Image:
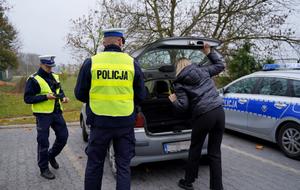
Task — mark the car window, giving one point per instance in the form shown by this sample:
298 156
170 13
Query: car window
296 88
273 86
244 86
162 57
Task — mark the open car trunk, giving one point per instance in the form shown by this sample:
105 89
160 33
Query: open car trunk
161 117
157 61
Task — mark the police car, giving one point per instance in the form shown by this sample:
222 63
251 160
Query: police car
266 105
161 133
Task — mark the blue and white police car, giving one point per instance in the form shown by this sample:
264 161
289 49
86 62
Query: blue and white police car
266 105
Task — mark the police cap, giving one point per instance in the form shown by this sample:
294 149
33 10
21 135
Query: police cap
47 60
114 32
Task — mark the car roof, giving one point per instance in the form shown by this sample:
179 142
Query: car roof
182 42
279 73
289 74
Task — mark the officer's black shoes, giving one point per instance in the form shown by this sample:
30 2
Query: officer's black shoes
53 163
47 174
185 185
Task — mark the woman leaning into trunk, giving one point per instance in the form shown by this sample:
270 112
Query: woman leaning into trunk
196 93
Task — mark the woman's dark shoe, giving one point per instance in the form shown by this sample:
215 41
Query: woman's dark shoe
185 185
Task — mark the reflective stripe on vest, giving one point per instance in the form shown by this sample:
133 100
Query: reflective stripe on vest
48 105
111 92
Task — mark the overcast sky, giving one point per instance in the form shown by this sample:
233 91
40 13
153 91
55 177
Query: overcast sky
42 24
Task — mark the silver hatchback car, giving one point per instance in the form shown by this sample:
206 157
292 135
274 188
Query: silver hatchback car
161 133
266 105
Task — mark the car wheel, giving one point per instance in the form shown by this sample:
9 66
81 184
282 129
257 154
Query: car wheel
289 140
111 159
85 136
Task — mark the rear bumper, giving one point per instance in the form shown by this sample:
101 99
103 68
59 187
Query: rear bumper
151 148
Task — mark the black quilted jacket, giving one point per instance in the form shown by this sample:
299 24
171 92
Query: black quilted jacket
195 90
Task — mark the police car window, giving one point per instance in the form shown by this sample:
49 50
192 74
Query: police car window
162 57
273 86
243 86
296 88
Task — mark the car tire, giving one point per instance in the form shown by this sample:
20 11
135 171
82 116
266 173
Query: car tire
111 159
85 136
289 140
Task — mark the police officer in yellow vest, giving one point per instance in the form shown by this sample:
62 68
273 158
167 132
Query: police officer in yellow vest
111 84
43 91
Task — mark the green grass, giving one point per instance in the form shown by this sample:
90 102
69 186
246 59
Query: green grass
6 88
12 105
68 116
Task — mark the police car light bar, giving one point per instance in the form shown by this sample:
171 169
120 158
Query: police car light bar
285 66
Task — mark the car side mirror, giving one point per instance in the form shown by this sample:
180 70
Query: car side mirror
221 91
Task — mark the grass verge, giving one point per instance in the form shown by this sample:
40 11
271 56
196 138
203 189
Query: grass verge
71 116
12 105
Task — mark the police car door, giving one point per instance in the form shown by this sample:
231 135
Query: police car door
268 105
236 97
294 108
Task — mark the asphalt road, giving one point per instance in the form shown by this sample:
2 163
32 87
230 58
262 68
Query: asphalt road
244 166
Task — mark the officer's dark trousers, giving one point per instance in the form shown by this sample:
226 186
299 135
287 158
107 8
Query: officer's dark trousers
124 146
58 124
212 123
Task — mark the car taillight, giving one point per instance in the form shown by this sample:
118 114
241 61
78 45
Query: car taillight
139 122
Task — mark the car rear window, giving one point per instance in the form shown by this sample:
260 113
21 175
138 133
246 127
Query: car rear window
162 57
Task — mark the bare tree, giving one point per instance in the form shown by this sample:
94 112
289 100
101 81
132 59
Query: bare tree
231 21
85 37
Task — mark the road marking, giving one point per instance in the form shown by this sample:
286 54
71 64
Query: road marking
74 160
262 159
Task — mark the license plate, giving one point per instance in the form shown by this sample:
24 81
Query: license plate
177 146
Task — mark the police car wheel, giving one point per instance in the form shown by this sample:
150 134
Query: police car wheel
289 140
85 136
111 159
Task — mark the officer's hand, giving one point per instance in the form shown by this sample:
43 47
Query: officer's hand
51 97
65 100
172 97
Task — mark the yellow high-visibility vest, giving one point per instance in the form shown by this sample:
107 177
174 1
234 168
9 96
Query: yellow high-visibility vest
111 92
45 106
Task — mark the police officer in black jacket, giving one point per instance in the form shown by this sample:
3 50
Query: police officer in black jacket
111 84
43 91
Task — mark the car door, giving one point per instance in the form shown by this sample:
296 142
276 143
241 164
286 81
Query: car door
236 97
294 108
267 106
